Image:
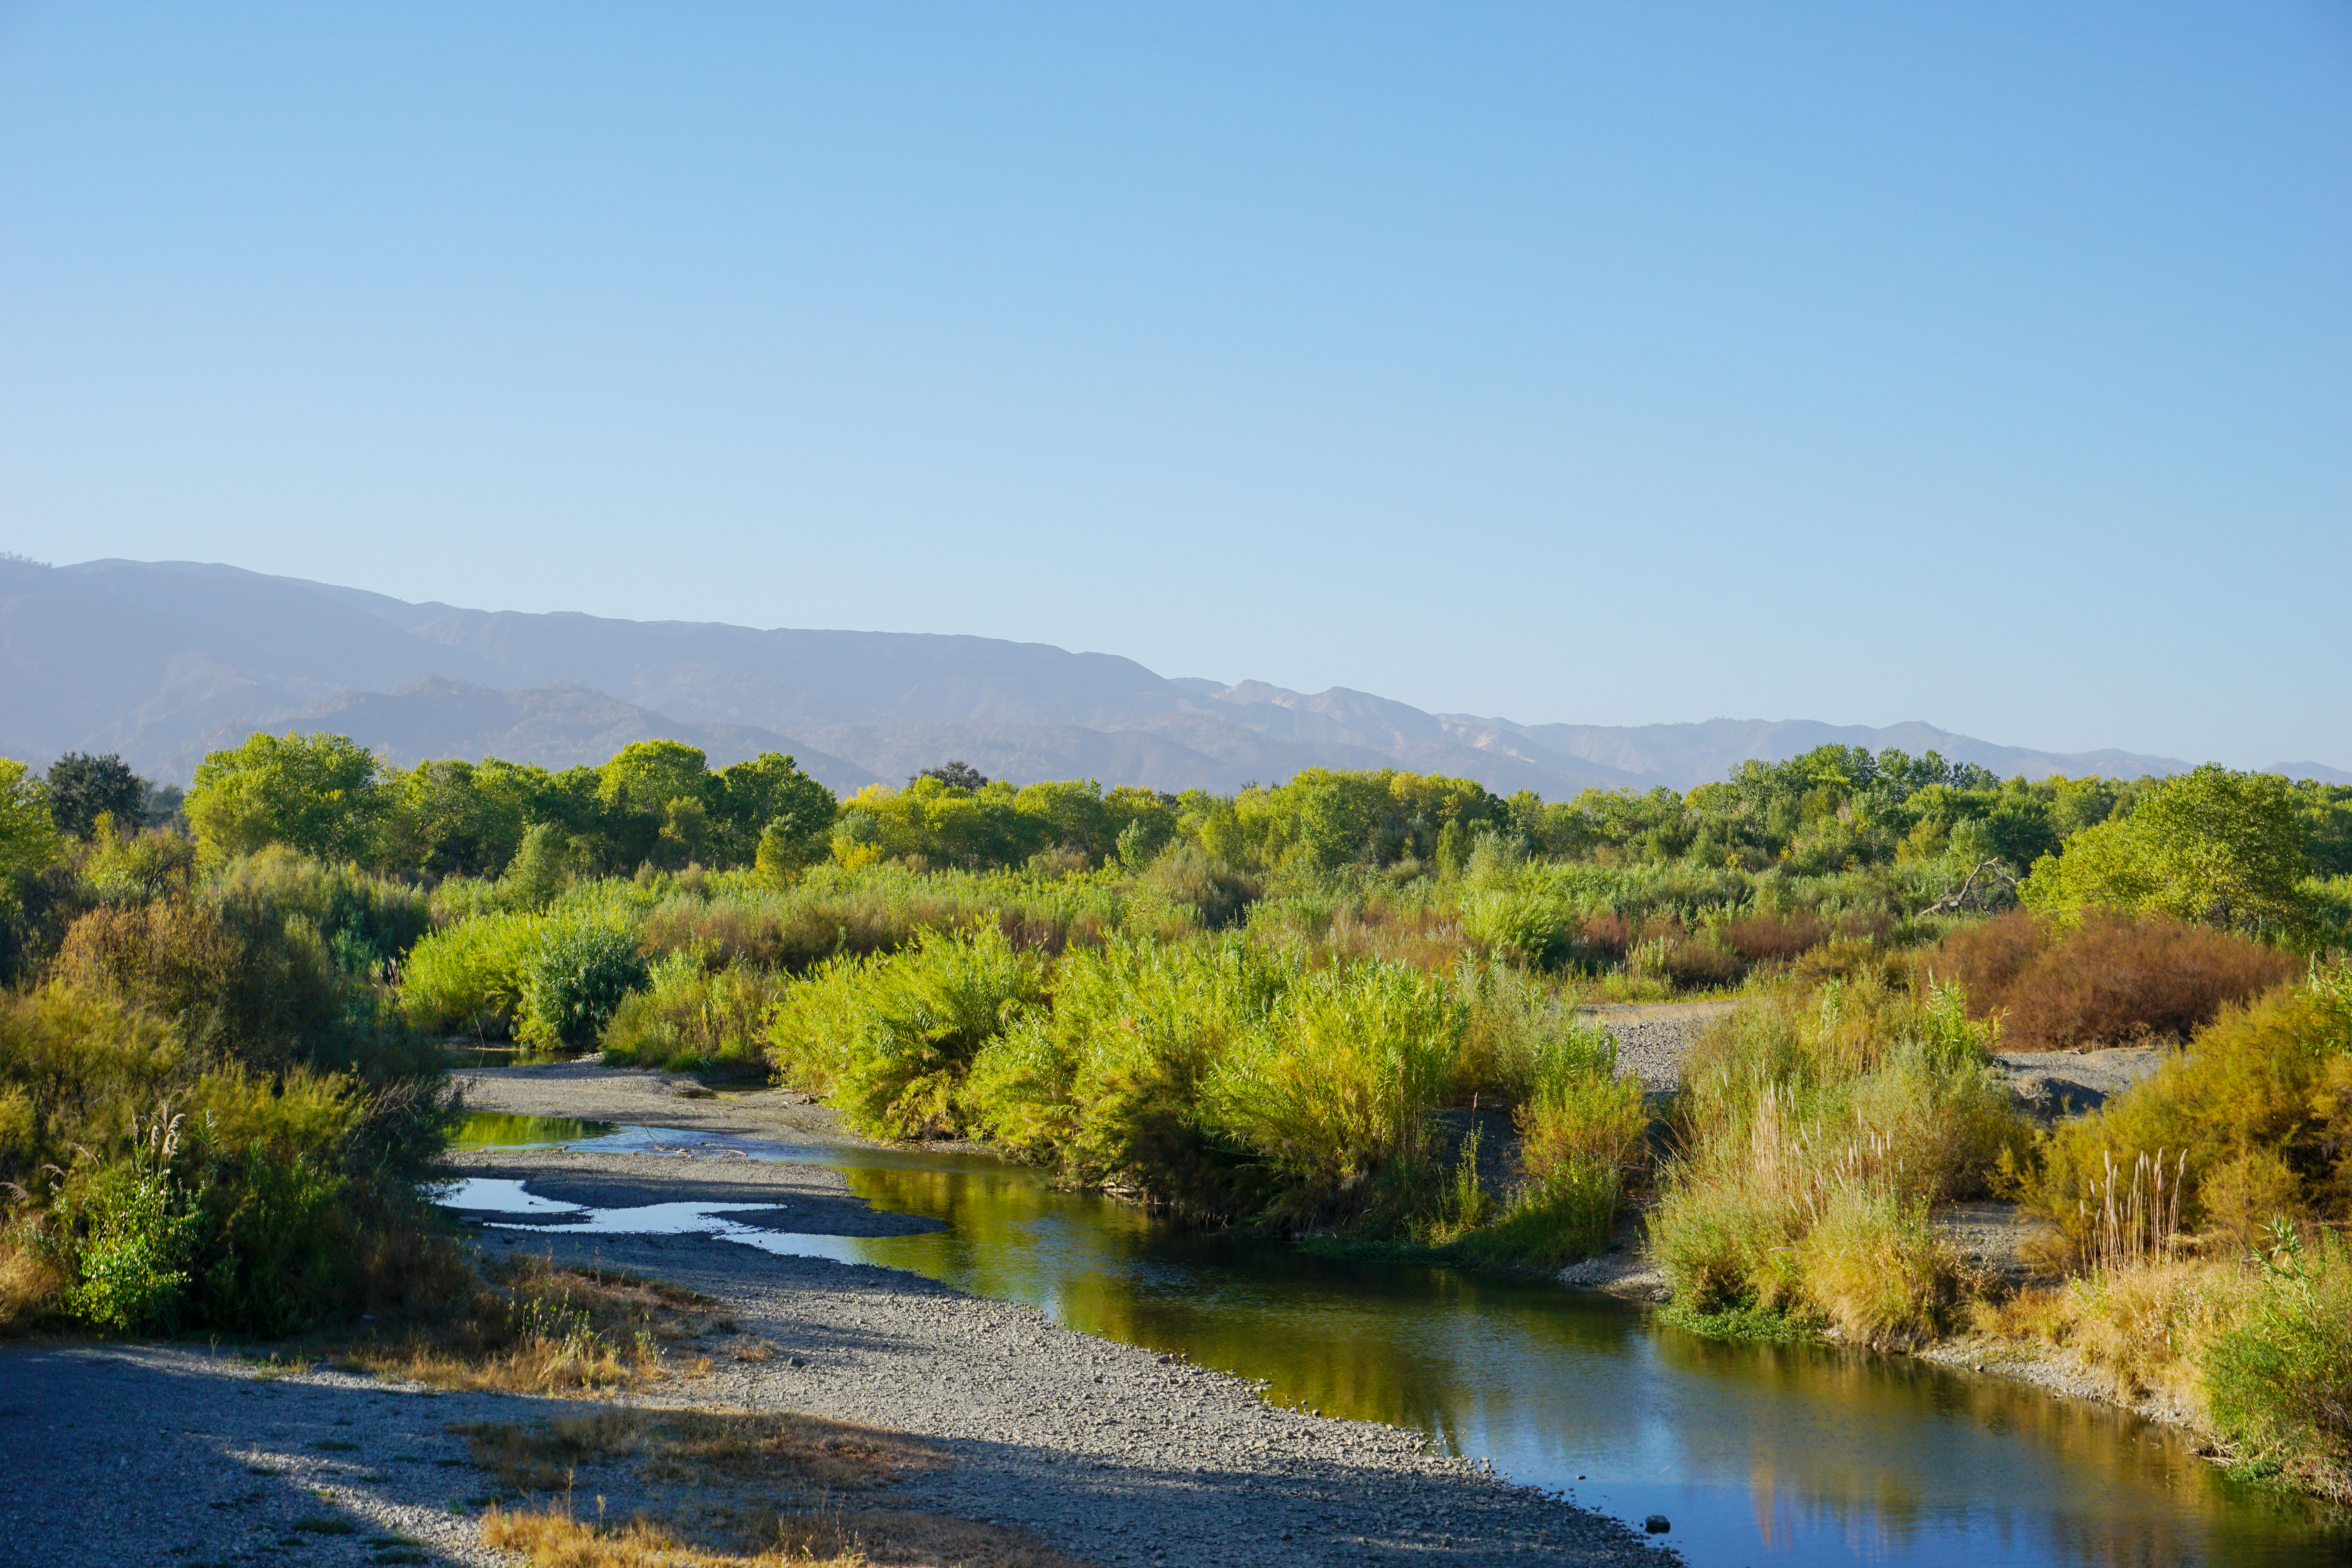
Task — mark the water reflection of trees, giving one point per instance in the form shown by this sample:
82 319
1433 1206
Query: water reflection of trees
1888 1459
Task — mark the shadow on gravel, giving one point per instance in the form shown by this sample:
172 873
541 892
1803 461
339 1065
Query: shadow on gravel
170 1456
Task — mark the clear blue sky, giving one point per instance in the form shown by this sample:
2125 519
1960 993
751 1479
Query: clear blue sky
1985 364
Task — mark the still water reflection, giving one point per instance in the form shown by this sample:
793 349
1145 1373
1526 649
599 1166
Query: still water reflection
1758 1454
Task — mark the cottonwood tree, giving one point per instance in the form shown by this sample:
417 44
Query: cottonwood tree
2222 847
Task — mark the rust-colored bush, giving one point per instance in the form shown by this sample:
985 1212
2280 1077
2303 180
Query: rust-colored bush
2108 980
1603 939
175 956
1696 963
1773 939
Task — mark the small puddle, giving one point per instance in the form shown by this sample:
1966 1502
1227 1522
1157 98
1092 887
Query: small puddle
1790 1454
493 1194
487 1130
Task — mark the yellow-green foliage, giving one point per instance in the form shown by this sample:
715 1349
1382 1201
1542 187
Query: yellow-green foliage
28 838
470 975
888 1038
693 1017
1817 1128
1107 1086
2260 1101
1342 1085
2278 1373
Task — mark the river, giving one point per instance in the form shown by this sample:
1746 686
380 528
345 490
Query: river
1758 1454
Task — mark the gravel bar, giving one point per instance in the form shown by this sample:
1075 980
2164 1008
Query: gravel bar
1111 1453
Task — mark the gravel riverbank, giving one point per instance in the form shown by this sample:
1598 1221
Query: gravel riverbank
1108 1453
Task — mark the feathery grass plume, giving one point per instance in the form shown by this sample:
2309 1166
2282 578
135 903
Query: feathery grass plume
1816 1132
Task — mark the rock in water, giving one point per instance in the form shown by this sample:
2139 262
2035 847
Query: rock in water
1657 1524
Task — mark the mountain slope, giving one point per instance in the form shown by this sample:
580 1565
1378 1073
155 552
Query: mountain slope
556 727
1682 756
163 661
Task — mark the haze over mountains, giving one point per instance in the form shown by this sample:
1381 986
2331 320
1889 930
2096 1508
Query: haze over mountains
164 661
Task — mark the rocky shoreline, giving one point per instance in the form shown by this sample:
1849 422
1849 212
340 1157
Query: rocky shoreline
1095 1451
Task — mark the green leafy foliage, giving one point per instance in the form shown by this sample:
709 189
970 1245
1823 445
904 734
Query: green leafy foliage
573 977
83 788
2279 1378
889 1039
2212 844
319 795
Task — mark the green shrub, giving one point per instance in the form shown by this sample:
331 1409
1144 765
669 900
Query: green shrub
131 1261
164 1186
1106 1087
1580 1133
888 1039
692 1019
470 975
1337 1092
2260 1102
573 977
2278 1379
263 980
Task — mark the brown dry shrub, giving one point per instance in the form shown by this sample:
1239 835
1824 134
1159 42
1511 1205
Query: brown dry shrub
1773 939
2108 980
30 1287
1700 963
1601 939
1427 938
176 956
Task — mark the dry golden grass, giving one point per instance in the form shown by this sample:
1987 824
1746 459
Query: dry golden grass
700 1448
552 1538
29 1287
534 1327
722 1456
2142 1324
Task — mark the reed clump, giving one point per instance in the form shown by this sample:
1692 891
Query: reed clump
1815 1133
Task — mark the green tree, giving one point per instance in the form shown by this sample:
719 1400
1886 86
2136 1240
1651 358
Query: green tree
84 788
29 837
319 794
2212 844
655 801
771 812
443 821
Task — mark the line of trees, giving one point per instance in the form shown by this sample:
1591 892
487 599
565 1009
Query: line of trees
2245 850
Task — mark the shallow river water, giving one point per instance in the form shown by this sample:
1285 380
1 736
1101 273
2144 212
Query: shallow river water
1758 1454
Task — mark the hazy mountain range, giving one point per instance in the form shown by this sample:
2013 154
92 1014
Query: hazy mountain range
163 661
